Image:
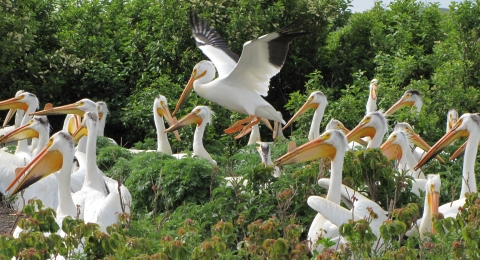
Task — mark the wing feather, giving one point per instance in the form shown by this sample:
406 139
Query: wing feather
213 45
263 58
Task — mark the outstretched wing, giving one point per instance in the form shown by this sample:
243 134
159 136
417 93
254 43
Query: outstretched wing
263 58
212 45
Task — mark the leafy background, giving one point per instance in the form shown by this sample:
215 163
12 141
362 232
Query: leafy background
127 52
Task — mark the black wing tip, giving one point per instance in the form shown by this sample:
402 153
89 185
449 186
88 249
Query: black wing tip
296 28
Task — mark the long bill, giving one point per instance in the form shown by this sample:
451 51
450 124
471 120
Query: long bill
189 119
418 141
360 131
312 150
188 89
164 112
459 152
9 116
308 105
447 139
13 103
21 133
358 140
433 202
401 103
74 123
44 164
62 110
81 132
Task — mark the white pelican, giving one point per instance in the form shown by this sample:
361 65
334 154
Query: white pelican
452 118
421 146
430 206
44 189
266 156
467 125
397 147
410 98
373 125
160 110
56 155
200 115
372 96
98 207
102 117
332 144
318 101
27 102
242 88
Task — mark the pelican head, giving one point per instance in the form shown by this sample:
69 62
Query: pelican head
200 115
335 124
410 98
372 124
393 147
90 120
32 129
466 124
315 100
328 144
59 150
204 72
413 137
12 111
23 100
373 89
160 109
452 118
77 108
102 110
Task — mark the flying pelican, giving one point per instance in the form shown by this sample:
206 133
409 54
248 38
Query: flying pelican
373 125
421 146
27 102
410 98
200 115
242 88
318 101
332 144
372 96
467 125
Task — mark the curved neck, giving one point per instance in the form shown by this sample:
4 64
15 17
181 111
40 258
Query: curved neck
66 206
42 140
468 181
411 162
101 125
371 104
19 117
254 135
162 140
82 145
316 121
426 223
92 179
376 140
334 189
22 144
198 148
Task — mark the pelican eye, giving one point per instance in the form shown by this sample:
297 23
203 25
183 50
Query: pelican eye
459 122
31 121
407 96
98 108
79 104
50 142
198 111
